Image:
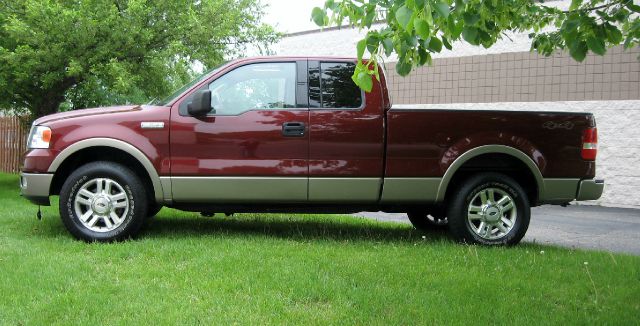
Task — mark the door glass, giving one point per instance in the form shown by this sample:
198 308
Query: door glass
338 89
260 86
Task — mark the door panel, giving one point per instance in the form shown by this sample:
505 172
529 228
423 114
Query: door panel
344 142
251 144
240 153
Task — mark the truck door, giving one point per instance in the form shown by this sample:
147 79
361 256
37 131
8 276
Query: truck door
346 145
253 146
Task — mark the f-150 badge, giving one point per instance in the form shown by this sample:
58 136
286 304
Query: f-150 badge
557 125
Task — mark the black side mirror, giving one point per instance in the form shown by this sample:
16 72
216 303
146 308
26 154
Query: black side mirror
200 104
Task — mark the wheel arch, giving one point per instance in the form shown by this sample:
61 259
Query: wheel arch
476 152
125 153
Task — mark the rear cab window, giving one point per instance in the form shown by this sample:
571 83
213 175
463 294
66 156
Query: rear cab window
331 86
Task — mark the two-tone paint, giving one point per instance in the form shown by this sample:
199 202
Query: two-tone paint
375 155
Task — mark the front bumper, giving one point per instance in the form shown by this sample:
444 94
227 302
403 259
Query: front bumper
35 187
590 189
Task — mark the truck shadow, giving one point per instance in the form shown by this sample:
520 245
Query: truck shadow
295 229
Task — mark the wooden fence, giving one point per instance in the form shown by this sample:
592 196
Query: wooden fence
13 139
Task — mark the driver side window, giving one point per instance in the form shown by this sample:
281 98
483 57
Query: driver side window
259 86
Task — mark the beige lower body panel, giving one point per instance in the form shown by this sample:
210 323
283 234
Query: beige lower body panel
410 190
344 190
239 189
590 189
167 197
329 190
559 190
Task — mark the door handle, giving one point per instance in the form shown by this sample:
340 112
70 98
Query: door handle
293 129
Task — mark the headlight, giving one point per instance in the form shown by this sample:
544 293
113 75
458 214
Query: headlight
39 137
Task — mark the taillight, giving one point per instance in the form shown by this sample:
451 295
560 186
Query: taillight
589 144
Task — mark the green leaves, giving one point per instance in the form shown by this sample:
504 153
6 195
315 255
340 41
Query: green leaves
364 80
613 34
442 9
575 4
361 46
470 34
446 43
422 28
633 7
363 76
403 67
319 16
470 18
387 43
596 45
434 45
403 15
423 57
578 50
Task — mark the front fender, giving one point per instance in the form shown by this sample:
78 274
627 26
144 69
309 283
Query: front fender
158 190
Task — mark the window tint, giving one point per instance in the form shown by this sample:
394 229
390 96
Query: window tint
314 86
338 90
261 86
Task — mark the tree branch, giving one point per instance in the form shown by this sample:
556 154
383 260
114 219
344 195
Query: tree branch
597 7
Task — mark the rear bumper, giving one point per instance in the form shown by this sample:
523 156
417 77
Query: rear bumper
590 189
35 187
561 191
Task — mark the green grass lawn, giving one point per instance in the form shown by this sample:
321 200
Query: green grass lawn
296 269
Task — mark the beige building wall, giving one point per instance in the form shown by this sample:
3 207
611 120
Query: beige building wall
520 77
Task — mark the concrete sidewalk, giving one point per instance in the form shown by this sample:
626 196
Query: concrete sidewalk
587 227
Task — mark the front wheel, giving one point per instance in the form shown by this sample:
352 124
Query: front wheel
489 209
103 201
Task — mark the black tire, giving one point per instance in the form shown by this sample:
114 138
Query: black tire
153 210
135 196
464 222
428 220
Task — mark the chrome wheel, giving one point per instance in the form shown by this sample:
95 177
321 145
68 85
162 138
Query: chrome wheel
101 205
492 213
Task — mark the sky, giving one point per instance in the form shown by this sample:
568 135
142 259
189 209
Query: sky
290 16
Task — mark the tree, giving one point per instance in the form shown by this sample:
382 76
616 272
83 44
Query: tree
415 29
67 54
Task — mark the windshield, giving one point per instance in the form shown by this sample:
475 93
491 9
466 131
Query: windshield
190 84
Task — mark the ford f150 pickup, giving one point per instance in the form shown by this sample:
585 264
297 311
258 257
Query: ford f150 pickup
290 134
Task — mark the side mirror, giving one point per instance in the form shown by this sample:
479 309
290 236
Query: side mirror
200 104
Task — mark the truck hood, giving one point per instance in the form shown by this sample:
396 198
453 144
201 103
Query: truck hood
88 112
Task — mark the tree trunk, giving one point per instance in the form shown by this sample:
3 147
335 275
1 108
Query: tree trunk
48 102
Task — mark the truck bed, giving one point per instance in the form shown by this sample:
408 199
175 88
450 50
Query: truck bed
425 142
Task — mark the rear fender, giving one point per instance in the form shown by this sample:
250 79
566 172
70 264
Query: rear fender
461 152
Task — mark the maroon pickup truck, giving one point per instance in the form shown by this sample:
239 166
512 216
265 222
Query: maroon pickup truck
284 134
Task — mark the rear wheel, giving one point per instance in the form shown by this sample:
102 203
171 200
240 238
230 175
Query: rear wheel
490 209
103 201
